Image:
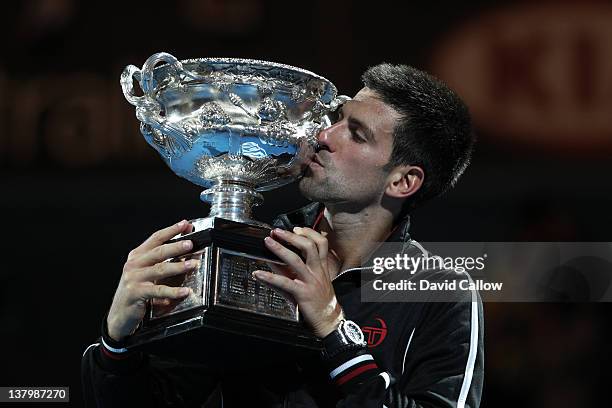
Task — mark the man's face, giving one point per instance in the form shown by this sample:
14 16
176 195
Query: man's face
349 167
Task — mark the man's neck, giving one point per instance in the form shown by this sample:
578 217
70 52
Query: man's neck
353 237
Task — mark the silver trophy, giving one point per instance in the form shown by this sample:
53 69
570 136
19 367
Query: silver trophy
235 127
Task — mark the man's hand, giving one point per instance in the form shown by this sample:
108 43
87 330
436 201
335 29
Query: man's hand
308 282
146 265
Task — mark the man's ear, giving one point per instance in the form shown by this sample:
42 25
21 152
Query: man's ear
404 181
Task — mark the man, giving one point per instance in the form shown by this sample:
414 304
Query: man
403 139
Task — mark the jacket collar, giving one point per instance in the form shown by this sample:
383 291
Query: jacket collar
310 214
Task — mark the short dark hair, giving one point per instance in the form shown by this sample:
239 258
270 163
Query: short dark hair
434 131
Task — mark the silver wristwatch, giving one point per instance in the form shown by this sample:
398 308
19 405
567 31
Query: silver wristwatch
347 336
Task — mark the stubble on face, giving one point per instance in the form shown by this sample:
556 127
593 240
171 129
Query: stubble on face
320 184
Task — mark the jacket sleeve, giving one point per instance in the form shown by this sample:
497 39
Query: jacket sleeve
443 366
140 379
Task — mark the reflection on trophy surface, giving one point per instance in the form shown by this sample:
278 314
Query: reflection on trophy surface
235 127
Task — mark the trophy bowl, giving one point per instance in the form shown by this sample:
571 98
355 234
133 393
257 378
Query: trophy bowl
235 127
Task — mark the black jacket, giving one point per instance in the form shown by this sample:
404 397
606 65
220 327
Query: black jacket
419 354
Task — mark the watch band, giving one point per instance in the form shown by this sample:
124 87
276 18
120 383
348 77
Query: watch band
347 336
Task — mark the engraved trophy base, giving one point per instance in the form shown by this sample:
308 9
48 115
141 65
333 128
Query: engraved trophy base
225 297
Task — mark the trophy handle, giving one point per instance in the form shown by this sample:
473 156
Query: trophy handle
147 83
127 84
337 102
148 109
332 107
145 78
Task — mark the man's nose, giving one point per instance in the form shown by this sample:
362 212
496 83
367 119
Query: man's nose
325 138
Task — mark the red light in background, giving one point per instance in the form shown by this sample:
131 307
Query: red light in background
535 75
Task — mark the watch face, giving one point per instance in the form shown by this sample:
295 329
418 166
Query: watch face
353 332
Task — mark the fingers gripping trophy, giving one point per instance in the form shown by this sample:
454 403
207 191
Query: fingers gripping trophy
235 127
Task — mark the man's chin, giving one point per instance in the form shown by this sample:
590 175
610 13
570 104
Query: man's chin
308 187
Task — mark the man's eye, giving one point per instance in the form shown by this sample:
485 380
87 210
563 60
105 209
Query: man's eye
356 137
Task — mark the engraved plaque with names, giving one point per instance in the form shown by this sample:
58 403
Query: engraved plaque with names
237 289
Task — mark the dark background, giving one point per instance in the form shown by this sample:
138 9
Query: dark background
80 187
